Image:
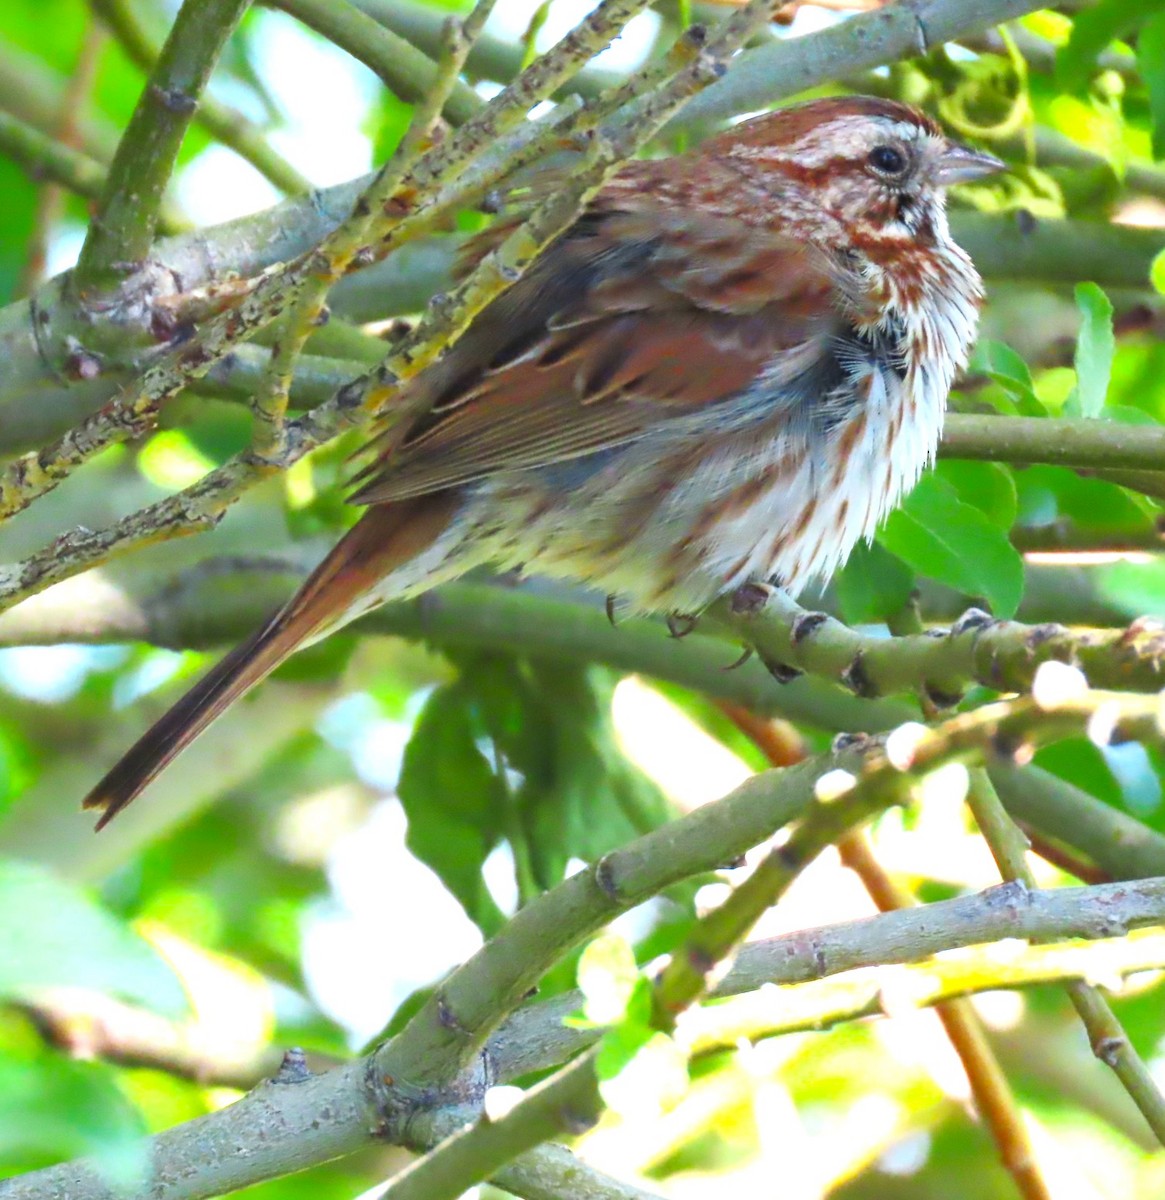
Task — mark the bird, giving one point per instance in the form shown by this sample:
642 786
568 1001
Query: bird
725 372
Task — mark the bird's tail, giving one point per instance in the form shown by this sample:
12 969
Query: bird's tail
382 540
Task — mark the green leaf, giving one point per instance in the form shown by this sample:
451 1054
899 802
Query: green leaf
1049 494
565 792
1000 363
987 486
616 997
607 977
1157 272
53 935
1093 28
1151 61
1095 347
945 539
621 1043
453 802
53 1109
1135 588
873 585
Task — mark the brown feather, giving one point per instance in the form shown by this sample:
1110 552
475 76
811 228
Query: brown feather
382 539
655 326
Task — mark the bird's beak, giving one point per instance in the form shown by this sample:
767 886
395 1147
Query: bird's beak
961 164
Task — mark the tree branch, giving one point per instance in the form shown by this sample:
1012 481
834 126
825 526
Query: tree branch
123 228
1059 441
1110 1043
402 68
228 126
786 67
939 664
490 57
43 157
1123 847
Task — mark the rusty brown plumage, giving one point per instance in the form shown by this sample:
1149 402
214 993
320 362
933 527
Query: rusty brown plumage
725 371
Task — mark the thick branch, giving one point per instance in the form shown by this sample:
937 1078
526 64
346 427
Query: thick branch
1003 655
786 67
1059 441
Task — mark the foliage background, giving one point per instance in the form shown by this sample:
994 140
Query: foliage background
352 832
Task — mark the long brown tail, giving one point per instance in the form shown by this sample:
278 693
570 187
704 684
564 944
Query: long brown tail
384 538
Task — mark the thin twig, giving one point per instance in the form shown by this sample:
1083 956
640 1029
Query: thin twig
50 200
42 157
404 69
993 1096
338 251
1110 1043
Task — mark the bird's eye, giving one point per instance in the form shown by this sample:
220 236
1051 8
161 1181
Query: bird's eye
887 160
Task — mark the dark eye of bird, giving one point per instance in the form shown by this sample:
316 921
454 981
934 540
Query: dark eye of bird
887 160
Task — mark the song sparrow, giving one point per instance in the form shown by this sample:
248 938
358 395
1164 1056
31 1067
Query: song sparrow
727 370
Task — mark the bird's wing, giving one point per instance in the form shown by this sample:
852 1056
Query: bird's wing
633 317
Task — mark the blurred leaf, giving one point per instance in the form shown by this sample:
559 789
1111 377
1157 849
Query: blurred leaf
1004 366
453 801
987 486
1151 61
19 206
607 977
1137 589
1047 494
945 539
565 792
53 935
171 461
52 1109
580 795
1092 30
873 585
387 123
1078 761
1157 272
1095 346
616 997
